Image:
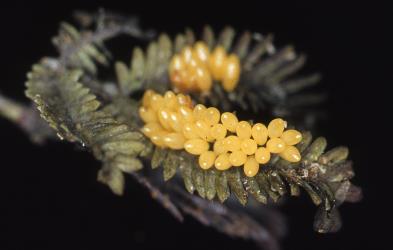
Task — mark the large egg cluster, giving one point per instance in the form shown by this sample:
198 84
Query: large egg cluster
195 68
220 140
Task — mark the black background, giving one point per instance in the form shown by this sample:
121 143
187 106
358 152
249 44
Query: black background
57 204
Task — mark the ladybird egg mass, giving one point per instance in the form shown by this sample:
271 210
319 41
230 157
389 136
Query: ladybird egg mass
195 68
220 140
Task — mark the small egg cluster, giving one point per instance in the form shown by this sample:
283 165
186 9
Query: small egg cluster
220 140
194 68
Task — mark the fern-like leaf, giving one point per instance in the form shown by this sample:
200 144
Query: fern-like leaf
74 113
323 175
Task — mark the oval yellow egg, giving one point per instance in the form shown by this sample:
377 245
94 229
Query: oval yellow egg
201 51
157 138
176 64
196 146
229 120
150 128
199 111
164 118
217 62
174 140
147 114
190 131
211 116
259 133
184 100
231 73
170 100
262 155
218 131
291 137
222 162
243 130
275 145
251 167
237 158
291 154
219 147
157 102
186 54
203 130
276 127
176 122
186 113
181 80
232 143
248 146
203 79
206 159
147 98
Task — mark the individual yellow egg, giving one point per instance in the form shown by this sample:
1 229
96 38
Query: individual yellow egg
164 118
151 128
248 146
203 130
217 62
222 162
259 133
199 111
190 131
157 138
203 79
196 146
157 102
176 65
174 140
186 54
232 143
262 155
147 114
276 127
170 100
229 120
181 80
211 116
243 130
184 100
147 97
237 158
190 84
291 137
275 145
251 167
191 71
186 114
231 73
219 147
206 159
218 131
176 122
291 154
201 51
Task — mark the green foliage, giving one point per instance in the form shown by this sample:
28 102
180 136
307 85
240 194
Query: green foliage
81 51
74 113
148 70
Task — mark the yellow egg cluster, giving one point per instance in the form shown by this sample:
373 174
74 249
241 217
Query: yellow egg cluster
220 140
195 68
